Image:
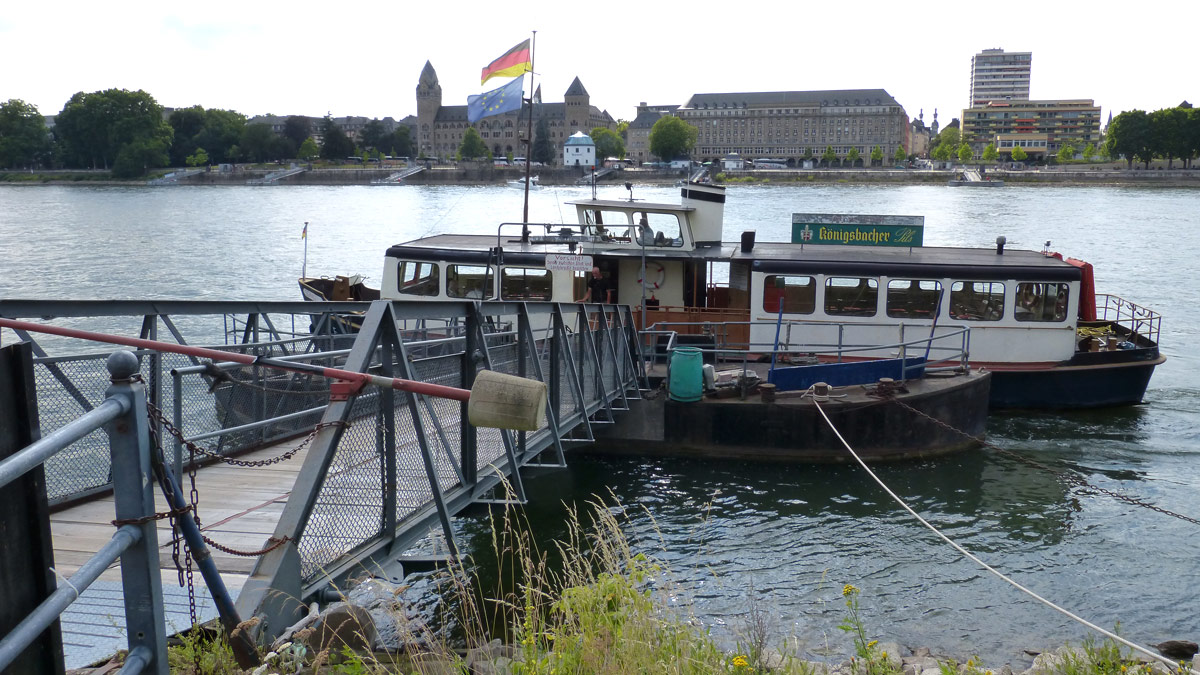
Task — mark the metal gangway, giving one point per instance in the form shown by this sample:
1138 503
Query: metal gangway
596 175
276 176
174 177
384 471
399 176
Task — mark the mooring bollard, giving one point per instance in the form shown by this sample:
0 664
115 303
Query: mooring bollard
767 392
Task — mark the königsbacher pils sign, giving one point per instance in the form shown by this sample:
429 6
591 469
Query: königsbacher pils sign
855 229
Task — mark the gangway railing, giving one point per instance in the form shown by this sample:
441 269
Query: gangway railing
399 176
1140 322
122 415
174 177
276 176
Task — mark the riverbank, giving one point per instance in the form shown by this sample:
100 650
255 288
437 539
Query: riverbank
1070 175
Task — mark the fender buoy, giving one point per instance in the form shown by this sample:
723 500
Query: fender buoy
654 275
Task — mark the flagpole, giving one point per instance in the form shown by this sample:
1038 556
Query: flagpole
304 266
529 138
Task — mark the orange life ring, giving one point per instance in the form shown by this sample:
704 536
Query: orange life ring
660 276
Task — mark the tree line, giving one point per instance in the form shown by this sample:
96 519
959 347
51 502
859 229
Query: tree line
1170 134
126 132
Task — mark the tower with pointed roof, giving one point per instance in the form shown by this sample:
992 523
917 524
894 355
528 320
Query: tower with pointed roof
578 104
429 101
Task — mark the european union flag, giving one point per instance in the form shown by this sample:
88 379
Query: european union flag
495 102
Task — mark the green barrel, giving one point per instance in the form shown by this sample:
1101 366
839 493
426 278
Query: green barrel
686 375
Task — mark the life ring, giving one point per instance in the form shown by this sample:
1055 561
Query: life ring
660 276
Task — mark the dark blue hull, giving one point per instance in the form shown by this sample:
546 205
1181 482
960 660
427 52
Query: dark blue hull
1088 381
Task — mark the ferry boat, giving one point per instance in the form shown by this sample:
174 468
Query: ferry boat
1035 320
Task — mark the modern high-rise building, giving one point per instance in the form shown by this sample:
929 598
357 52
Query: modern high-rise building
997 75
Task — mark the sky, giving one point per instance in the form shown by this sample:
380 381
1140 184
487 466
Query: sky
364 58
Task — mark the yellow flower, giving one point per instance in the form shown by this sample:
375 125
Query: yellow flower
1122 669
872 643
884 655
848 590
739 661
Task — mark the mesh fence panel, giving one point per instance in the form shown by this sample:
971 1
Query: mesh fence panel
349 507
87 463
442 417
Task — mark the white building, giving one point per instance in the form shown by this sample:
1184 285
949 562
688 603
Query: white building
579 150
997 75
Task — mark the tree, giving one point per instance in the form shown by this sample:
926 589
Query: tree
308 150
221 133
24 140
964 152
989 153
259 144
374 135
1066 153
853 156
608 144
623 130
829 157
1019 154
186 124
336 144
900 155
671 138
808 153
199 158
941 152
1168 134
95 127
1128 136
297 129
876 155
402 142
950 137
1089 151
543 149
472 145
139 156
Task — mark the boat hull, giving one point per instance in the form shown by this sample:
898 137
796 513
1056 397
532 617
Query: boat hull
793 429
1076 384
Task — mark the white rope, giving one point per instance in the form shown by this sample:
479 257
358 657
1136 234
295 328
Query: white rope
67 582
968 554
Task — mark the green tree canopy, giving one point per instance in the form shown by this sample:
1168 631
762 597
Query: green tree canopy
213 129
672 138
24 140
543 149
472 146
1066 153
335 145
941 152
829 157
297 129
808 153
1168 134
623 130
402 142
1019 154
200 158
309 150
1128 136
899 155
876 155
259 144
965 153
608 144
989 153
1089 151
95 127
374 135
853 156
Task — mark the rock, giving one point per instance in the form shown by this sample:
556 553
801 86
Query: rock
1177 649
374 593
343 625
922 651
920 664
500 665
931 671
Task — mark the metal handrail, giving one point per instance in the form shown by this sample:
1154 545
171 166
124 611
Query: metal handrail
1138 320
43 449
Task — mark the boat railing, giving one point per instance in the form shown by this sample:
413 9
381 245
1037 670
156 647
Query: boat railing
1139 321
945 348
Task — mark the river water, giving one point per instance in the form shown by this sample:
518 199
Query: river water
786 538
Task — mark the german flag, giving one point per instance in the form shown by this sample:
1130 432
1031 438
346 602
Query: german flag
514 62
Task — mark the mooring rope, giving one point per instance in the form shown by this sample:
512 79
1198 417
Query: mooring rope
989 568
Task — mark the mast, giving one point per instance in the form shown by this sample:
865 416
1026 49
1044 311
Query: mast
529 138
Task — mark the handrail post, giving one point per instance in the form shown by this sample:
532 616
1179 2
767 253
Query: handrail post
133 492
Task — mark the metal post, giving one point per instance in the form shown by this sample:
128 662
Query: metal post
133 483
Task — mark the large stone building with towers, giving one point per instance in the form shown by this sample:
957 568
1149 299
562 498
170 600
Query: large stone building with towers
440 128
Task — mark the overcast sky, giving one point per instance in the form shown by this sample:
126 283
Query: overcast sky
364 58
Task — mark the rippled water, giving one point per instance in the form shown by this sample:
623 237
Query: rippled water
790 536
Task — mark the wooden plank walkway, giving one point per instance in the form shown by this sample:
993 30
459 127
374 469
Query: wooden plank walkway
239 508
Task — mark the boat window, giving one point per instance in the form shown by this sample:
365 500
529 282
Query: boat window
418 278
525 283
912 298
851 296
1041 302
469 281
799 294
608 225
977 300
657 229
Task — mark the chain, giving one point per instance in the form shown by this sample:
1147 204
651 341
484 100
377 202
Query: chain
1064 475
193 448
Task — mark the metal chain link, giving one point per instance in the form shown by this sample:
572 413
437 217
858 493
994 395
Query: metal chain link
1066 476
158 416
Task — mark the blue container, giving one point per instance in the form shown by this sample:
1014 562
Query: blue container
686 379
